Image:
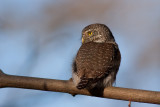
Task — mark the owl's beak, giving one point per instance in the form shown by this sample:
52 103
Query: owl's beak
82 40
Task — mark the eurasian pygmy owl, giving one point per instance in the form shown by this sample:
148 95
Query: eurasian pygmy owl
97 61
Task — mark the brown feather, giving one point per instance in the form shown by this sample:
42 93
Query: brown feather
94 60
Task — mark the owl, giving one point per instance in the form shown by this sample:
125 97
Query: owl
97 61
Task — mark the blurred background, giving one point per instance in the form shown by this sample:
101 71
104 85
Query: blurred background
40 38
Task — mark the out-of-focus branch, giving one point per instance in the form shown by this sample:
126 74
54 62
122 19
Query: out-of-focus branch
68 87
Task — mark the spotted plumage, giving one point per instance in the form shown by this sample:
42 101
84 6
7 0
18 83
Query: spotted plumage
97 61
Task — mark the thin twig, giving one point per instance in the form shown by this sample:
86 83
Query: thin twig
129 105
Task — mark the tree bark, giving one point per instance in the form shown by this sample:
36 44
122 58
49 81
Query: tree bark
67 86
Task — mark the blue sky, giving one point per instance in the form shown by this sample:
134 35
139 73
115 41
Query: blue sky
40 39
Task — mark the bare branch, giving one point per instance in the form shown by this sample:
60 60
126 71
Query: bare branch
67 86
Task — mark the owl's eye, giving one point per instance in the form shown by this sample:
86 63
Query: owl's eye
89 33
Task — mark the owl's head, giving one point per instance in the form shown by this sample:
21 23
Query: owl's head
98 33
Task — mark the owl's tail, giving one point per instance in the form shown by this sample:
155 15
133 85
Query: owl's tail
93 90
96 91
83 83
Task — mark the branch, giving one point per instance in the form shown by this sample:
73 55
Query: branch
67 86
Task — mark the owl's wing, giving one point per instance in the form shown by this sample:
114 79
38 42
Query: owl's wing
95 60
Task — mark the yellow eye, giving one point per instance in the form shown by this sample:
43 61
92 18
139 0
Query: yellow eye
82 40
89 33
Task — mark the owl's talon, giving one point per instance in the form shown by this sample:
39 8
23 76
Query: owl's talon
73 95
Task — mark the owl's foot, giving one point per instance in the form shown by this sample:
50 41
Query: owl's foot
71 80
73 95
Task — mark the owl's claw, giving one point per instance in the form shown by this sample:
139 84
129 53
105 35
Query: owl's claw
71 80
73 95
